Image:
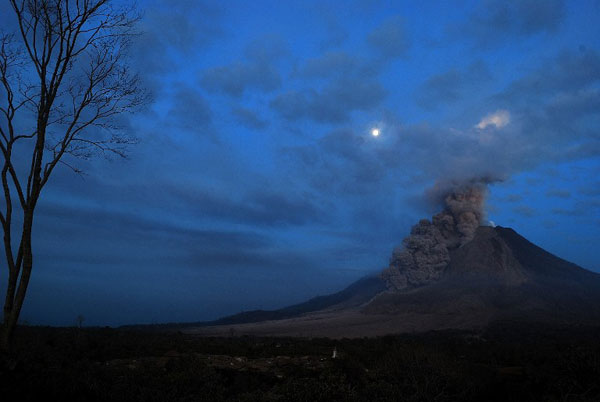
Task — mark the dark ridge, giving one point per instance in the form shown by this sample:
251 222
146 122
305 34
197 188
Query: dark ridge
498 275
354 295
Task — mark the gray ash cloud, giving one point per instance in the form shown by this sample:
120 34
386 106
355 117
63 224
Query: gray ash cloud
425 253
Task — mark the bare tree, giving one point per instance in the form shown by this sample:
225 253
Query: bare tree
64 79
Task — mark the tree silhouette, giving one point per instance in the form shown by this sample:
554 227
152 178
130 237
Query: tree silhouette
64 79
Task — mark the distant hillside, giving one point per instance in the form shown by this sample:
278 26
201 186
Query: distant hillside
358 293
496 276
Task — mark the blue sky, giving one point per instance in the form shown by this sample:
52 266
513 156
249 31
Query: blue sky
257 183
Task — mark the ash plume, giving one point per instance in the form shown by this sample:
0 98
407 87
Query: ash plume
425 253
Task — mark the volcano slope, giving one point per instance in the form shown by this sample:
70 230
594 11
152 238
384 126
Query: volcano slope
501 275
497 275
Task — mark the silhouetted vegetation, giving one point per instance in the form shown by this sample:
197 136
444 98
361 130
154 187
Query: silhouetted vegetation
508 361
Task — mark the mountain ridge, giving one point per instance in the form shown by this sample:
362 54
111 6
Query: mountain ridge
497 275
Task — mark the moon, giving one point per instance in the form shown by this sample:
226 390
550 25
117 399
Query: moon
375 132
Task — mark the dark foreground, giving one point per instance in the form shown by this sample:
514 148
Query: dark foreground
506 362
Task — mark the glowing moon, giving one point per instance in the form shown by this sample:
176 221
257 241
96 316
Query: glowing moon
375 132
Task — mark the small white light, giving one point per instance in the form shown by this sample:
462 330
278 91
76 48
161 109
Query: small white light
375 132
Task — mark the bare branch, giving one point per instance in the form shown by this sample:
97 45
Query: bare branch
73 168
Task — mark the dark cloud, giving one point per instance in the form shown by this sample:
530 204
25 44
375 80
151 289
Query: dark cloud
539 117
569 72
336 64
592 190
335 33
499 21
190 109
275 208
342 162
525 127
256 208
333 104
514 198
174 29
568 212
257 72
249 118
524 210
440 88
142 239
554 109
137 223
540 15
451 86
151 240
390 39
451 154
534 181
558 193
572 106
340 84
236 78
266 49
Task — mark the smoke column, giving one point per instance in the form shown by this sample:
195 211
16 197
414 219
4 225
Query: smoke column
425 253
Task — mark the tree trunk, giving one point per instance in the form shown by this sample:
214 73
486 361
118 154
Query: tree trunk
12 308
5 341
5 336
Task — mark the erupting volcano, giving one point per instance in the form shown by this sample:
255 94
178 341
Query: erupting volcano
425 254
453 271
